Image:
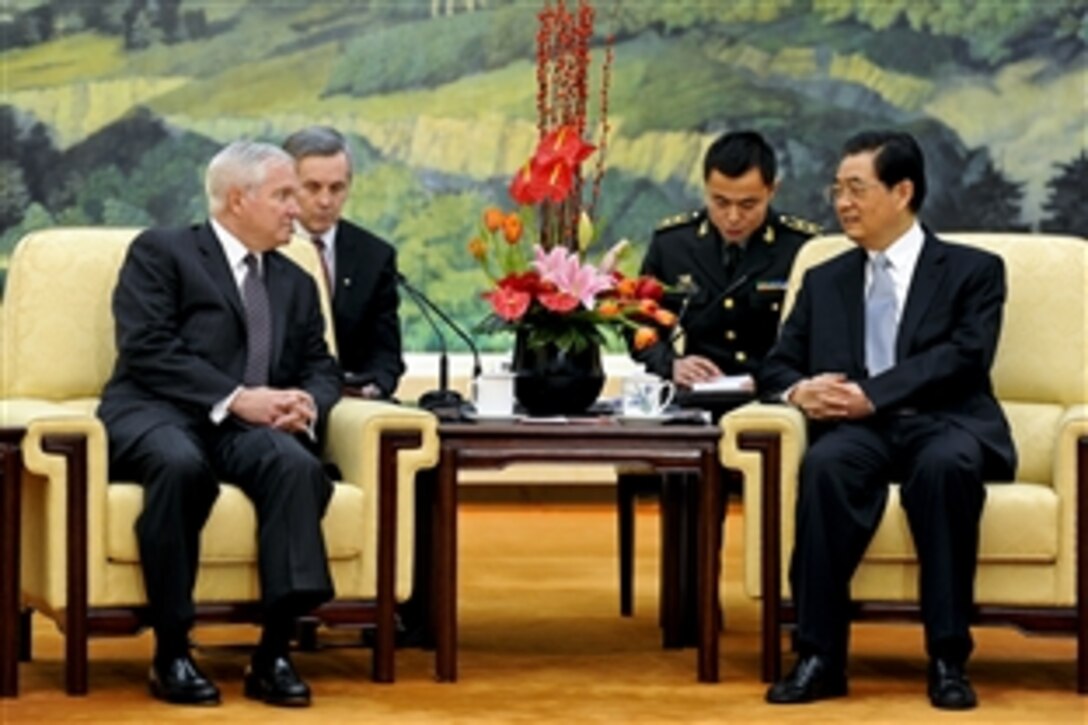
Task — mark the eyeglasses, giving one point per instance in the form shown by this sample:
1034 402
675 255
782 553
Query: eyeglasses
853 190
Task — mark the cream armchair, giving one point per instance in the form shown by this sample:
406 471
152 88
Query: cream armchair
1033 530
80 563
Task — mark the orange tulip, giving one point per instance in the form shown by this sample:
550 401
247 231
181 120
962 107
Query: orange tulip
626 287
608 308
665 318
647 307
511 228
477 248
493 219
645 337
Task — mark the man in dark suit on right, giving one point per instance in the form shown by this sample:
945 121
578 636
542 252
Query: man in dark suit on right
887 351
360 268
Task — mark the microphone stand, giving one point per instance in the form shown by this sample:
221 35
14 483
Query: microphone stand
443 402
423 299
736 284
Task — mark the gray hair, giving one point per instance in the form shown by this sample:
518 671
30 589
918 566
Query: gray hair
318 141
241 164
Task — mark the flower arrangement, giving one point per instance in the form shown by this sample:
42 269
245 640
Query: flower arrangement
534 256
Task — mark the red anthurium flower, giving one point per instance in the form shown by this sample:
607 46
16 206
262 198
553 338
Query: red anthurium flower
521 187
649 289
522 282
557 182
562 144
509 304
561 302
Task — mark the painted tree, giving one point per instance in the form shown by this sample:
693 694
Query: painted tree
1066 211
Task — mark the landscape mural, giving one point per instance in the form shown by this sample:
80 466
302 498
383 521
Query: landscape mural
111 108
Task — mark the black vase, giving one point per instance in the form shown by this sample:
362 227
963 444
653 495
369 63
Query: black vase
551 381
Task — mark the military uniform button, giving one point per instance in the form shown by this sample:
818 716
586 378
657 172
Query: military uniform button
774 306
741 356
727 303
730 335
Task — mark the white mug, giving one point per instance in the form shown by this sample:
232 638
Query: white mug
646 396
493 393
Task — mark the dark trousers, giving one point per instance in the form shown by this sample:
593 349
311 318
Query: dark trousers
842 496
180 469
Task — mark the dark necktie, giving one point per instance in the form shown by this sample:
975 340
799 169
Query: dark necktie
880 310
258 325
731 258
319 243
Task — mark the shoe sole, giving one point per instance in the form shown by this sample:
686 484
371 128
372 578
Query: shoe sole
159 694
829 695
253 693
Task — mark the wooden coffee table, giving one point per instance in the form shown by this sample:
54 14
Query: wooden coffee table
660 447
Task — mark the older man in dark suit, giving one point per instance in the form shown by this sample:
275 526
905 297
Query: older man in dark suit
888 353
361 268
223 374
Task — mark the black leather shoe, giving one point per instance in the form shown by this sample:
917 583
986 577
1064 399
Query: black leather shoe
812 679
181 682
274 681
949 688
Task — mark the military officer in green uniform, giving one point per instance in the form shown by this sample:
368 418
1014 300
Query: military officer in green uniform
727 264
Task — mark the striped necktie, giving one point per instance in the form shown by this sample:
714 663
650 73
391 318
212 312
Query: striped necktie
258 325
319 244
880 312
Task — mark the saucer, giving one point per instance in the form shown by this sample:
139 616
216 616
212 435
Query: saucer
636 420
487 417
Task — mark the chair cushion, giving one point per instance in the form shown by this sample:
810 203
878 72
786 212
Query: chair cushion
230 536
1019 524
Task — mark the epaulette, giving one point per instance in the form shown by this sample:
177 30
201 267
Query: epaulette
688 217
798 224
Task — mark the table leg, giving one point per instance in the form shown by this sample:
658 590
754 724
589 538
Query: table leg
709 565
10 494
445 568
671 562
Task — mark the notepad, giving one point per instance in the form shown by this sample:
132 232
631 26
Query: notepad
726 384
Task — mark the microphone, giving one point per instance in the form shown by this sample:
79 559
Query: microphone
443 401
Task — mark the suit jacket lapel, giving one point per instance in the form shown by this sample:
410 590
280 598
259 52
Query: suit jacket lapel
756 258
852 292
215 262
279 293
345 272
928 276
708 256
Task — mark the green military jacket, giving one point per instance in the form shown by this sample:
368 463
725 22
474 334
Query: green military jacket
731 318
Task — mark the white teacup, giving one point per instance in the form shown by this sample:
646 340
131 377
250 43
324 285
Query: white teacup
646 396
493 393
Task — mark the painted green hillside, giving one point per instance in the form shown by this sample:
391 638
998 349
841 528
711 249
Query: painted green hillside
111 108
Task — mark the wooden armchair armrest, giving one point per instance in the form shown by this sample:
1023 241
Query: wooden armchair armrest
765 443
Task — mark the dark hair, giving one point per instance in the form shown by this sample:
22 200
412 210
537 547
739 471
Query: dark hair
317 141
734 153
897 156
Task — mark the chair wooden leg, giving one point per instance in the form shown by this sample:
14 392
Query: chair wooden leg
25 645
1082 572
625 525
74 449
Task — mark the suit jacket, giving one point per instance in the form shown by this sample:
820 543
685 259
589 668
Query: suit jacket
945 347
731 319
364 306
181 334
